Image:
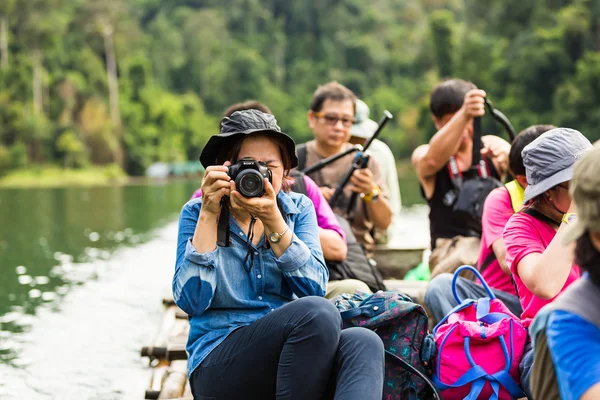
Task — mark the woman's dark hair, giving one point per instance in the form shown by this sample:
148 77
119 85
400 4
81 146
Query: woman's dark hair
588 257
448 97
526 136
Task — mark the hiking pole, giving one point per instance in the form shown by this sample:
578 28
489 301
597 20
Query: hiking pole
501 119
360 160
325 162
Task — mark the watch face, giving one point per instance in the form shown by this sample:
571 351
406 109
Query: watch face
274 237
571 218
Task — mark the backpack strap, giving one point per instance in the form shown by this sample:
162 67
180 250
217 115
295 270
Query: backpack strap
570 301
477 144
539 216
455 173
487 262
516 193
299 186
414 371
301 153
477 274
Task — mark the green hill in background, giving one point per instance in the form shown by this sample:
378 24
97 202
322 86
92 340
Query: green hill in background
133 82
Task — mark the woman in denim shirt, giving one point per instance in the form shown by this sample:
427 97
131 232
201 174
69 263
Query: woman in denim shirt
259 327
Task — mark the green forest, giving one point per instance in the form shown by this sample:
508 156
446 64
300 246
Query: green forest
133 82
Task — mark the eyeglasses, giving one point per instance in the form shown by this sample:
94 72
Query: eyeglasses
332 119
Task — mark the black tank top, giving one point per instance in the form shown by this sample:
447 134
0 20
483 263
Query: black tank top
443 221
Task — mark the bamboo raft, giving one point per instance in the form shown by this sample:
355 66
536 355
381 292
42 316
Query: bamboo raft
167 355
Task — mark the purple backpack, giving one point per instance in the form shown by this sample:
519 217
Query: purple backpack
402 326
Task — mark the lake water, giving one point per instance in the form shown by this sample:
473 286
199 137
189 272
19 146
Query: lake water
82 273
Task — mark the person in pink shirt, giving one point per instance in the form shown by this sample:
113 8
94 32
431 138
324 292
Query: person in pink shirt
499 206
541 264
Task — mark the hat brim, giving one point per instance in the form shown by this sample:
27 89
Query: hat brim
532 191
364 129
220 141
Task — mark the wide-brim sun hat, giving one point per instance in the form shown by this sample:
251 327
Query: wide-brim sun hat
240 124
585 191
550 158
363 127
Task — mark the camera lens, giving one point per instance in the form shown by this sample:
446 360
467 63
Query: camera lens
250 183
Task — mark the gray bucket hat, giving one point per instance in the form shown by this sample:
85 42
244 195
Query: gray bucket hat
585 190
240 124
550 158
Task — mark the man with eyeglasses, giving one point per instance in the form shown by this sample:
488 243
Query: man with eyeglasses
331 117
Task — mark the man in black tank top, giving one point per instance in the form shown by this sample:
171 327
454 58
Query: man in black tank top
447 160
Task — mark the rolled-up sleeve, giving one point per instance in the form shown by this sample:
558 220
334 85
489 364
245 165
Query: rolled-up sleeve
194 281
302 263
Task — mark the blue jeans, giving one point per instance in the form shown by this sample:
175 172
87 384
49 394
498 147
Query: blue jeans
295 352
525 369
439 299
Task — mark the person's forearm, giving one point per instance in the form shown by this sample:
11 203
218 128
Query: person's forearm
205 235
277 224
443 144
380 213
553 267
333 245
500 252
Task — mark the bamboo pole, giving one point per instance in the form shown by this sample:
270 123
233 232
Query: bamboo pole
175 381
162 338
159 374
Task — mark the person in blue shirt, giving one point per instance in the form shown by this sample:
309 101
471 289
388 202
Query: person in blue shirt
567 332
259 326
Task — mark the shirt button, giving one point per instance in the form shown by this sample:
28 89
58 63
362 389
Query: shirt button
259 276
241 233
256 253
260 297
272 309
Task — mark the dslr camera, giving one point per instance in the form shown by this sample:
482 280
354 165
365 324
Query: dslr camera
249 175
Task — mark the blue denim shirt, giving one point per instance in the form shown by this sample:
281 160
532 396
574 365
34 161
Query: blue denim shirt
219 294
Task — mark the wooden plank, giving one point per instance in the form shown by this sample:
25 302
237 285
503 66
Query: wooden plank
187 391
159 372
162 337
175 381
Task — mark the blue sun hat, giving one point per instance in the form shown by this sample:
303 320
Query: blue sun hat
550 158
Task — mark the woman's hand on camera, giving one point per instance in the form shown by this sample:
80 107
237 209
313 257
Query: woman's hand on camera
263 208
215 185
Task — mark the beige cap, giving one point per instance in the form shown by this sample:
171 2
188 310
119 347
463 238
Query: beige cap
585 191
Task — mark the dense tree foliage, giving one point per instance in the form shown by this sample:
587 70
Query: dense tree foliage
138 81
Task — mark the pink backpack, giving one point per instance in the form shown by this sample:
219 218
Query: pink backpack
480 344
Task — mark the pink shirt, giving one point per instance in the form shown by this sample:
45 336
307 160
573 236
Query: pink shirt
497 210
525 235
325 217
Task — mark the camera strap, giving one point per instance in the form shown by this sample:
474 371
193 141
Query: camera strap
223 224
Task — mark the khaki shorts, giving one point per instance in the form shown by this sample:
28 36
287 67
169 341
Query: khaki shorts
449 254
335 288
